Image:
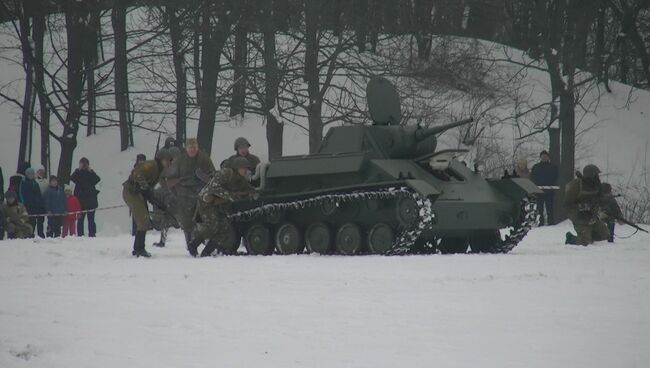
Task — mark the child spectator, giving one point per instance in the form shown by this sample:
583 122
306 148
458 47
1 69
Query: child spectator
55 204
73 207
16 220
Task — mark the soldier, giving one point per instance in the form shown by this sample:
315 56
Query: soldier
611 211
583 198
224 187
242 147
184 185
16 218
136 193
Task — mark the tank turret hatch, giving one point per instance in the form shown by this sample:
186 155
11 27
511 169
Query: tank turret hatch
383 102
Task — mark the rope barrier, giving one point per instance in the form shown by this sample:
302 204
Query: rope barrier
78 212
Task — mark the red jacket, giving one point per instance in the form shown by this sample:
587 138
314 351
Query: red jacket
72 205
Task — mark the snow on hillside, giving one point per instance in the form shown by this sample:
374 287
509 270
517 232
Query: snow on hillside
88 303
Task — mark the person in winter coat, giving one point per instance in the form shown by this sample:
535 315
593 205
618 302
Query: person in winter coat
545 174
16 222
85 180
242 149
2 186
17 178
72 208
30 195
55 204
611 210
41 179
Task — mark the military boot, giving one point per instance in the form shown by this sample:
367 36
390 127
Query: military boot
138 245
193 247
209 248
570 239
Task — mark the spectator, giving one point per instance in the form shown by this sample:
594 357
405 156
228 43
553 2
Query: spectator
2 186
545 175
521 169
41 179
55 204
30 195
17 178
140 158
85 180
72 209
16 220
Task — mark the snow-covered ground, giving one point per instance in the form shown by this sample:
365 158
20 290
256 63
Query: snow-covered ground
89 303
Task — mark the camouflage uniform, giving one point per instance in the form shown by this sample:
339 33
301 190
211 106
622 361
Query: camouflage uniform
583 203
16 219
611 211
184 186
224 187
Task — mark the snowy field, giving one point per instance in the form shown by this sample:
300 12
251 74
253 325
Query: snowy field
89 303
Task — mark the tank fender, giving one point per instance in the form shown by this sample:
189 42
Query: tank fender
516 188
423 188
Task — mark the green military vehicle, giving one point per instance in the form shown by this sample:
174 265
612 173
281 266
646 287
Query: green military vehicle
381 189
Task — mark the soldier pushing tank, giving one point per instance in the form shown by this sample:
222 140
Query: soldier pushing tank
137 191
242 149
224 187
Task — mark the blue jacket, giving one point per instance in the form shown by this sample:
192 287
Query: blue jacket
30 196
55 201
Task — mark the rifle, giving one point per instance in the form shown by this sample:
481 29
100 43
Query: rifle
628 222
157 144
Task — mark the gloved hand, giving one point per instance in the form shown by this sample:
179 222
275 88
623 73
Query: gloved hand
584 207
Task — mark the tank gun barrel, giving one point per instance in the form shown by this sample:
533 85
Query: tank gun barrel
425 133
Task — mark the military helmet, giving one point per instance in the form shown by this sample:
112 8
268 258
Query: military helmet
175 151
239 162
240 141
164 154
590 171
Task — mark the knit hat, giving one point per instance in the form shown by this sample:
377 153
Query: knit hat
544 152
84 161
68 188
39 168
30 171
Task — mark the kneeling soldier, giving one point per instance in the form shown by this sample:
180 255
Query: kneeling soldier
583 199
16 218
224 187
136 193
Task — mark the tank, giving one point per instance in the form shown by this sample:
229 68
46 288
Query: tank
381 189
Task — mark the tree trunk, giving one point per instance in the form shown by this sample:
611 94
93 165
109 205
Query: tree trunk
196 49
118 18
312 75
214 37
274 129
599 47
25 28
39 83
90 62
238 96
75 28
178 58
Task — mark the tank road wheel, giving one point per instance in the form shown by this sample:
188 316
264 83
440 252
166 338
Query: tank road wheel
380 238
407 211
319 238
258 240
453 245
231 242
485 241
288 239
348 239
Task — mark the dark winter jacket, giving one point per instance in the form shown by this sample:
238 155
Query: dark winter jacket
14 183
84 189
55 201
544 174
2 186
30 195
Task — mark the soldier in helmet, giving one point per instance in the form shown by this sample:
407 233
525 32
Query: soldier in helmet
583 200
225 186
138 190
242 149
184 185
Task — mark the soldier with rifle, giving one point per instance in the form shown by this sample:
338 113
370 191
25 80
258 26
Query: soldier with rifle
587 206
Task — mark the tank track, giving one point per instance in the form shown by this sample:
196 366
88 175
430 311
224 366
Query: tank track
408 234
528 218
